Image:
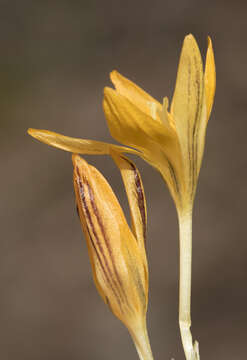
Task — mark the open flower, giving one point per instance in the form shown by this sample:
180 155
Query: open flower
117 253
172 141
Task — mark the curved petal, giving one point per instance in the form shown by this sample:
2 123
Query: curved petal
210 78
75 145
145 102
131 126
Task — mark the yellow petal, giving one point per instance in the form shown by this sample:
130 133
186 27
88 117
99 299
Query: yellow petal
187 107
136 197
210 77
74 145
136 95
131 126
157 142
117 263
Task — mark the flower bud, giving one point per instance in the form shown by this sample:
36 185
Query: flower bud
117 254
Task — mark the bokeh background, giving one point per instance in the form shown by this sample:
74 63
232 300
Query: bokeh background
55 57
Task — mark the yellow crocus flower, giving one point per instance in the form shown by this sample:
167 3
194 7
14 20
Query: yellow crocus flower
172 140
116 252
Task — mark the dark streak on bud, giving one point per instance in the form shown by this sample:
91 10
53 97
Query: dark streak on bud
173 176
141 202
140 198
96 212
77 211
107 272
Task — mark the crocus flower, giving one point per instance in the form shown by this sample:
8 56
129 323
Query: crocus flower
116 252
172 141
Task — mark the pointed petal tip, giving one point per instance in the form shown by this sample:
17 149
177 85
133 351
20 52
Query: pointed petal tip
209 40
113 74
189 37
31 131
210 43
190 43
115 77
35 133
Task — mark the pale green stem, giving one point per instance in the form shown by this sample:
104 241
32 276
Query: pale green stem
141 341
185 241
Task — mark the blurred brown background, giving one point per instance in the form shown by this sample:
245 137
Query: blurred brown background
55 60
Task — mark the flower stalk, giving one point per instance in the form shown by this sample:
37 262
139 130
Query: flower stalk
185 262
141 341
185 243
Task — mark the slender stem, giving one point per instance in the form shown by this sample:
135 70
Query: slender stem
185 241
141 341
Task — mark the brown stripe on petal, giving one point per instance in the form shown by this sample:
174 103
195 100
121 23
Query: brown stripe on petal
196 124
77 210
173 176
140 197
107 243
101 264
141 201
106 271
188 127
106 276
